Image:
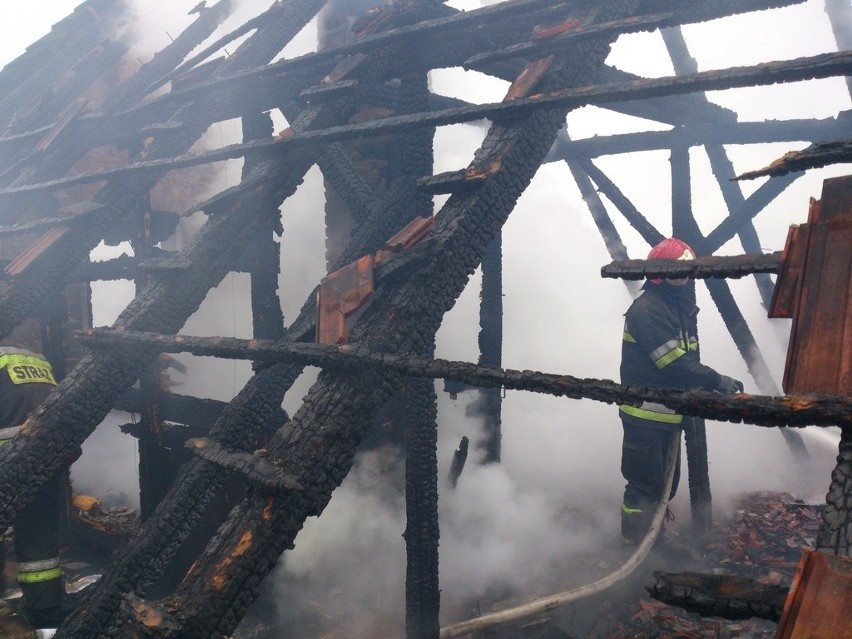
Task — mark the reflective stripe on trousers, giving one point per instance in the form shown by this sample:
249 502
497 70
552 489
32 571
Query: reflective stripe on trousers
33 572
652 411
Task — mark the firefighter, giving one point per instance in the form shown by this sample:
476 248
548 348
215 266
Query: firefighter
26 378
659 350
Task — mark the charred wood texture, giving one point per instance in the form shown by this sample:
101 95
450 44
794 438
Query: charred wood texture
422 592
700 268
813 157
835 533
700 500
793 410
457 465
491 347
346 403
821 66
98 379
698 132
725 596
44 64
140 84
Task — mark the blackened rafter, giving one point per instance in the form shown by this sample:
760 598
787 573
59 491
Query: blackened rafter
760 410
820 66
700 268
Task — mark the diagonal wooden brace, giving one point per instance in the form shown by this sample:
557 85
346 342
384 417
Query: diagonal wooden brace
257 471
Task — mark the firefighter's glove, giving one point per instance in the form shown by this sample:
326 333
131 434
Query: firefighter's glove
729 385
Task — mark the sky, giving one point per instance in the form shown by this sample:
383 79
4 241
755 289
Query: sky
558 489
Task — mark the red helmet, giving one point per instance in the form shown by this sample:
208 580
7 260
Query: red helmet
671 249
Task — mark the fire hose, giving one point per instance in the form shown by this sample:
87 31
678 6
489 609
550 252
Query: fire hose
557 600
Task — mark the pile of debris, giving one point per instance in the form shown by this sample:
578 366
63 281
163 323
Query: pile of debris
763 540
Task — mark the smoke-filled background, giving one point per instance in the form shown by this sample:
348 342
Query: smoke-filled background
518 525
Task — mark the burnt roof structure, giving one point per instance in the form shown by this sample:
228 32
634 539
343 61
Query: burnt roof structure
88 138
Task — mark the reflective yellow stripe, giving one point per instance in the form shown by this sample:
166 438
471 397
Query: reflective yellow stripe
630 511
629 338
27 369
669 357
39 576
651 415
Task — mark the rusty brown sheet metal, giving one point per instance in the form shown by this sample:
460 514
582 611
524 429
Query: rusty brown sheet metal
819 359
785 294
340 294
820 599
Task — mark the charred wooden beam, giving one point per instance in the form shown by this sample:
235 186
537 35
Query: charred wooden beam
257 471
752 205
154 619
56 54
347 183
733 266
411 314
815 156
700 500
727 596
452 181
552 38
744 340
835 533
58 428
757 409
146 556
457 465
269 80
265 260
422 531
702 134
180 409
638 221
840 16
668 110
820 66
139 85
490 340
614 244
101 60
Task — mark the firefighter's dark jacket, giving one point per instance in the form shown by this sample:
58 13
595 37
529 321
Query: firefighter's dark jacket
660 350
25 380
